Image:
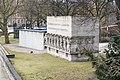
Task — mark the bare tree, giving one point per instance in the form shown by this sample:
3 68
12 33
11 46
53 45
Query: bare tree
28 11
63 7
118 13
8 8
85 8
101 9
41 11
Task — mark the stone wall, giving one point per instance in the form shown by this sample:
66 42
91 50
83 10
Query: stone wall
32 39
59 25
81 33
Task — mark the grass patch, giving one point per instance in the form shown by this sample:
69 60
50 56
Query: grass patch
12 40
48 67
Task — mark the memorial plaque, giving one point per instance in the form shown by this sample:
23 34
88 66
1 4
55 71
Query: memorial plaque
59 25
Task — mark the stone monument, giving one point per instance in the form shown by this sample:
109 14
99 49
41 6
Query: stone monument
67 36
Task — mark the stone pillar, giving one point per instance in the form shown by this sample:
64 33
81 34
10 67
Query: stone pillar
49 39
45 38
52 40
68 45
57 38
58 41
63 43
55 41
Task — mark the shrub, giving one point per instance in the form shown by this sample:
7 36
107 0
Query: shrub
108 68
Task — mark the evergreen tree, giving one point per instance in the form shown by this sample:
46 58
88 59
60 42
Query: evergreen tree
108 68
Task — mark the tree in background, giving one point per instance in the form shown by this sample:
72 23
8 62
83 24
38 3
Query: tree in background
63 8
35 11
41 11
28 11
8 8
85 8
118 13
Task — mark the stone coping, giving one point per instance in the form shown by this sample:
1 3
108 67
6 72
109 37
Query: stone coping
13 75
33 30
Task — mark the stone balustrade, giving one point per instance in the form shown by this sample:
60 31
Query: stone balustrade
73 45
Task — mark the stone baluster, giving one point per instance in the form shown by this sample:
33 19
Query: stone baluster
68 45
55 43
45 38
59 42
63 43
48 39
52 40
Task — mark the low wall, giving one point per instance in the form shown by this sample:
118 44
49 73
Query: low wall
12 74
32 39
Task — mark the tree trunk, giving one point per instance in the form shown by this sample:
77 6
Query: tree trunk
5 31
6 37
118 3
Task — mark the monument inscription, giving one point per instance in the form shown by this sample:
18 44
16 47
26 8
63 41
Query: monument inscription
59 25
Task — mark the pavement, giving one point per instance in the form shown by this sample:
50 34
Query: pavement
3 73
17 48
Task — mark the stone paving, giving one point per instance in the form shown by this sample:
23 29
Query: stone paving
3 74
17 48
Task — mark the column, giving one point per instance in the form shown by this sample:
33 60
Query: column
45 38
60 42
68 45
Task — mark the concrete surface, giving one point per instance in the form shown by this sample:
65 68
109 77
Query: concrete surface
17 48
3 74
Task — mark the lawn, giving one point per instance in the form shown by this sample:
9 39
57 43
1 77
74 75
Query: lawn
48 67
12 40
